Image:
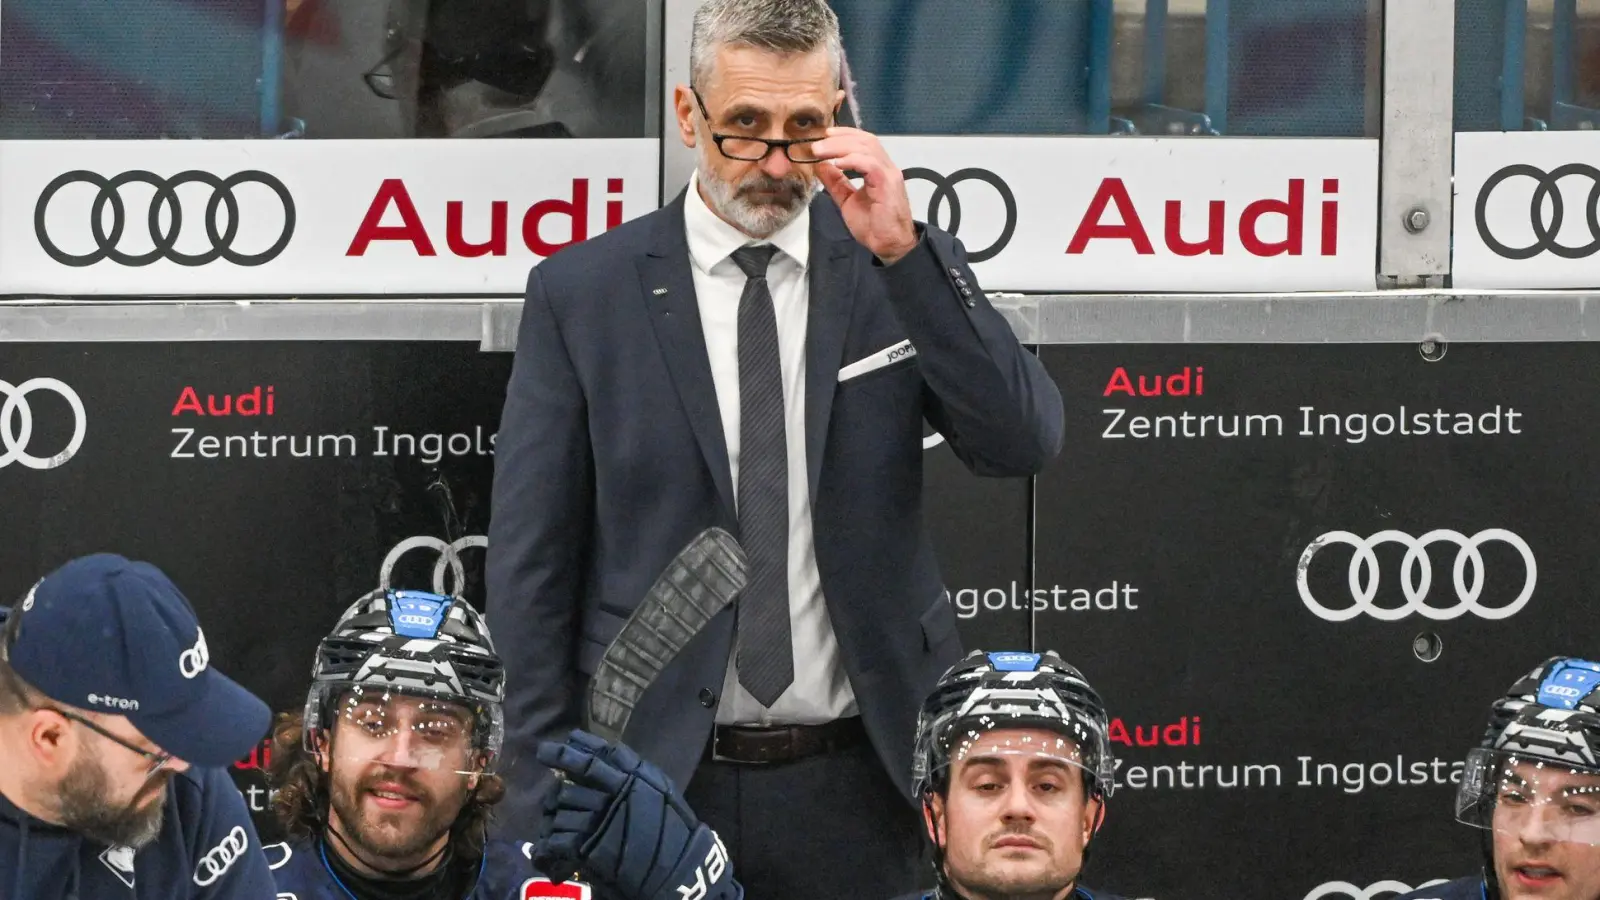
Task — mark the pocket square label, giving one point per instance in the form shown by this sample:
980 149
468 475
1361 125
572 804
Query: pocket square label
878 360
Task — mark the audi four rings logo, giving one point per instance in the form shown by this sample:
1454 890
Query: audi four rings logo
164 217
16 423
219 859
1546 187
1416 575
945 196
1344 890
449 559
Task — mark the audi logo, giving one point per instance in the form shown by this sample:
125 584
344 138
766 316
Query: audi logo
1375 891
219 859
1416 575
16 423
945 196
163 205
449 560
194 660
1546 187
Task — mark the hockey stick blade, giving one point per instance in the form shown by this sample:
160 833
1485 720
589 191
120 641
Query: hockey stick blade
700 582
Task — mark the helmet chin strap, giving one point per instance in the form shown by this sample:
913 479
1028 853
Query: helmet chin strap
1491 878
394 874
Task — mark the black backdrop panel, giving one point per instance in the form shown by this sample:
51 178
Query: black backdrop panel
277 482
1277 739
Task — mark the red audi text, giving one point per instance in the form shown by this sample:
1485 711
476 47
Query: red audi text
1112 192
254 402
392 195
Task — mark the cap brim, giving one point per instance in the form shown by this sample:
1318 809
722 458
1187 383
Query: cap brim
215 731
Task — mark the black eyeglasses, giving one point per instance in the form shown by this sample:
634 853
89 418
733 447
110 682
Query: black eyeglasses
754 149
158 761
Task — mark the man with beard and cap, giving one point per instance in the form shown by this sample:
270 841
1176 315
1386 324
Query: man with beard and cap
116 734
386 781
1532 788
1012 764
758 356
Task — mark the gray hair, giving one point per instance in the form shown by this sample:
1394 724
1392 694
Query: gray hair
778 26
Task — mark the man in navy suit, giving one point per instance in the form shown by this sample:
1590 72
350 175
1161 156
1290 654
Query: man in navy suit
758 356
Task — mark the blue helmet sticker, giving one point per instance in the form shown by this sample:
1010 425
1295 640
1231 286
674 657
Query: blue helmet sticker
1014 661
418 614
1568 682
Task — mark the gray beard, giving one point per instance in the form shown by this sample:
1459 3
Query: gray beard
755 218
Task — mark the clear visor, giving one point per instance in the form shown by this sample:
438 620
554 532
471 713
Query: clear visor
1034 752
1535 799
368 726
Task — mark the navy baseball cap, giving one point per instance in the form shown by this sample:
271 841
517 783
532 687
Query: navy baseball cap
112 635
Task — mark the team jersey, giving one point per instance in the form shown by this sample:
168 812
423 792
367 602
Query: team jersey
207 850
1460 889
506 872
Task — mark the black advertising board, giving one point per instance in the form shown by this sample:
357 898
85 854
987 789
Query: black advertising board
1330 560
277 482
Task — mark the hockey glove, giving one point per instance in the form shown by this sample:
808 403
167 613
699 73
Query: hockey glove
618 821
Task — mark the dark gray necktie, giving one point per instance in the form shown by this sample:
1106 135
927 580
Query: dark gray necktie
766 654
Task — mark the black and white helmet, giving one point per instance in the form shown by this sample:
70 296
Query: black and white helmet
410 643
1540 751
992 692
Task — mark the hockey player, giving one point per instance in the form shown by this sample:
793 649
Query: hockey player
1012 766
116 733
1532 787
386 781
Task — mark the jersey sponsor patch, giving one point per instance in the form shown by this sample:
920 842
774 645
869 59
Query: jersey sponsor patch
545 889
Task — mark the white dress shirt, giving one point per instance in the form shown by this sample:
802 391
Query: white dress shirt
821 691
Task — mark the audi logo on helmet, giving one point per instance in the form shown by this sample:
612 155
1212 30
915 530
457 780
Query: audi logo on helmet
1416 575
1547 211
16 424
62 217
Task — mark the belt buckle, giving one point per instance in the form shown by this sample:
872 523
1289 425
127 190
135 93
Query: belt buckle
716 752
716 740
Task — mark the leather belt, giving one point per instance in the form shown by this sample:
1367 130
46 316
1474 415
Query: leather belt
764 745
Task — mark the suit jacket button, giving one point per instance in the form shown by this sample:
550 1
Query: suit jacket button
707 698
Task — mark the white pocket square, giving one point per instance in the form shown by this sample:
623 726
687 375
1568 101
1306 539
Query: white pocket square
888 355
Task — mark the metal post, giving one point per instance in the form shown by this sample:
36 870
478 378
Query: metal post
1217 64
1418 137
1513 65
1155 51
1101 37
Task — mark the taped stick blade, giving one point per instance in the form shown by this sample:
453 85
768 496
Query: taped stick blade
701 581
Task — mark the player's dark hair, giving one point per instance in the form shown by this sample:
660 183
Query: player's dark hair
301 803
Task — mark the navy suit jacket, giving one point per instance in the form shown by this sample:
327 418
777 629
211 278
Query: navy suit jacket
611 458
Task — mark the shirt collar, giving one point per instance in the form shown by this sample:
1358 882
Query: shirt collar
711 240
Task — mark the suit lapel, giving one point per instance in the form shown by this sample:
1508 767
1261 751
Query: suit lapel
668 289
832 290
